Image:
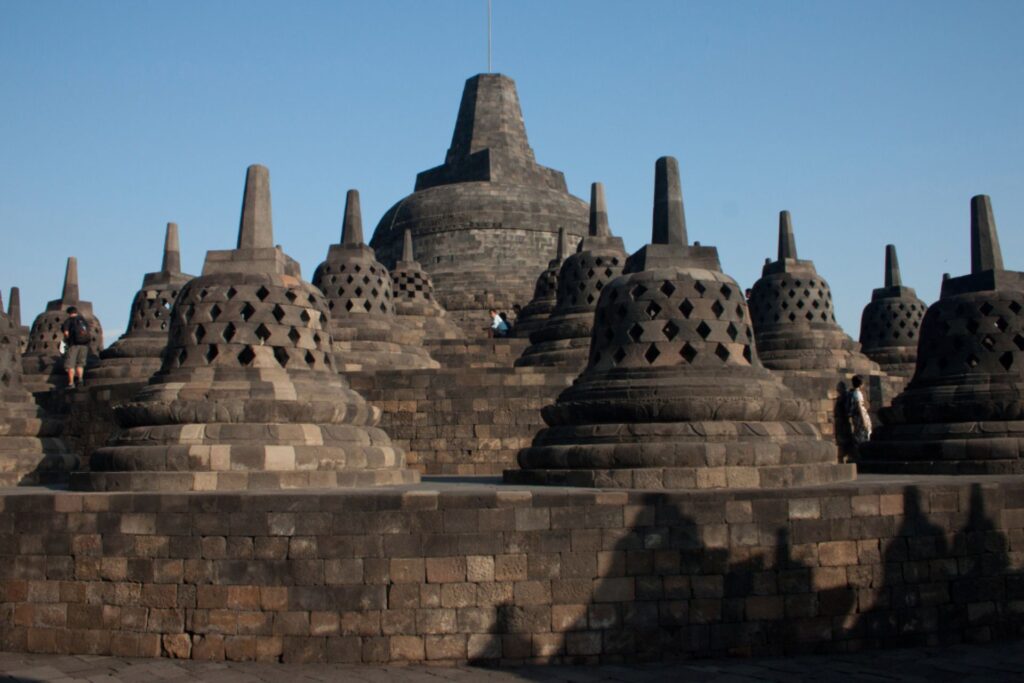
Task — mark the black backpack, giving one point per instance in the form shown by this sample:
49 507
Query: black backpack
80 334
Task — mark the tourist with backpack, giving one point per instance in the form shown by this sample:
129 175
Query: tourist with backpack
77 337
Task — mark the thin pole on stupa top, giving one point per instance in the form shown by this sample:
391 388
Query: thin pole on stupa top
488 36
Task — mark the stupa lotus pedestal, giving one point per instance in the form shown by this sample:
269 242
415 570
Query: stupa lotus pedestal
963 411
367 334
545 294
674 395
42 362
564 338
890 325
248 396
416 305
31 451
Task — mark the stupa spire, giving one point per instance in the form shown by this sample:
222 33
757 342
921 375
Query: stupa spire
489 118
598 212
14 306
407 254
255 228
985 252
669 218
352 225
787 240
892 267
70 291
172 250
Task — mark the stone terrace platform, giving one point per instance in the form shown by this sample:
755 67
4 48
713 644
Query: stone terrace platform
960 663
454 571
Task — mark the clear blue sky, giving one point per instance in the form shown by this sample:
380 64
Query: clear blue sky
872 121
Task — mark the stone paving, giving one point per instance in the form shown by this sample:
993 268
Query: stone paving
990 662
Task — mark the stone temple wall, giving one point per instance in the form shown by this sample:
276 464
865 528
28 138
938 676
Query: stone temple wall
511 575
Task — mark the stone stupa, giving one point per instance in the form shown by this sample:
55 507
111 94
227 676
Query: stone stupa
367 334
674 395
14 314
42 360
248 396
138 353
415 303
484 222
890 325
31 451
545 294
963 411
564 339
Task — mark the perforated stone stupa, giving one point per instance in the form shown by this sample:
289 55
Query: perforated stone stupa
545 293
890 325
486 221
963 411
248 395
367 333
42 361
415 303
14 314
138 353
674 395
31 451
564 339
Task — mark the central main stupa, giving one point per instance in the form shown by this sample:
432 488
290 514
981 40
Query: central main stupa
486 221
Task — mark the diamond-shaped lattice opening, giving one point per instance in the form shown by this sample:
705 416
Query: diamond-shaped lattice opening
792 317
359 291
358 268
717 308
199 333
815 303
189 312
638 291
333 279
988 342
621 311
202 294
699 287
619 355
211 353
608 272
670 330
739 311
1006 360
985 308
732 331
232 292
366 279
667 288
278 313
304 316
688 352
215 312
349 280
686 308
652 353
590 298
229 332
374 293
722 352
747 354
1019 341
972 361
1002 324
182 356
262 293
590 273
809 316
311 299
1016 307
367 306
263 333
792 293
635 332
703 330
281 356
246 356
248 311
310 359
726 291
294 335
800 304
652 310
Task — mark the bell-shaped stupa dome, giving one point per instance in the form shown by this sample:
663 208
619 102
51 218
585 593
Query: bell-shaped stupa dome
890 325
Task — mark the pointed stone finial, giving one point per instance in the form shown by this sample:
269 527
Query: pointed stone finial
669 218
70 292
598 212
256 229
985 252
172 250
407 246
563 245
787 240
14 306
352 225
892 267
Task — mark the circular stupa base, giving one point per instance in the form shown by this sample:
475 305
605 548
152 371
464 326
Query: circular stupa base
994 447
238 481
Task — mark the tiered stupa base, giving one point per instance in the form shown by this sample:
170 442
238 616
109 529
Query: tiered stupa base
993 447
31 451
370 343
563 343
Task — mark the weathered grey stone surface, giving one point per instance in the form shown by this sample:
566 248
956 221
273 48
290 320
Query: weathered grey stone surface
545 293
564 339
674 395
485 222
248 395
367 333
14 313
31 451
963 411
41 360
415 302
890 325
